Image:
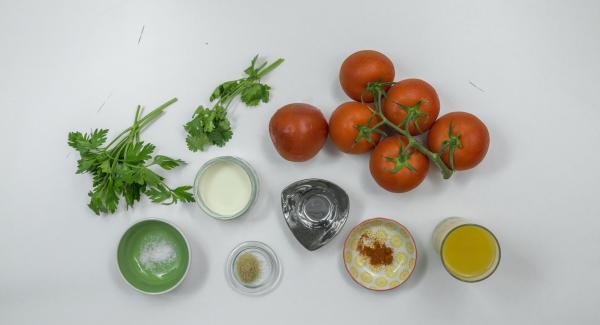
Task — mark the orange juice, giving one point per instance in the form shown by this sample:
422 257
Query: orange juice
469 252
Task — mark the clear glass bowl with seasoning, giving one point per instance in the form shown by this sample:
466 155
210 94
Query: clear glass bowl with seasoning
226 187
252 268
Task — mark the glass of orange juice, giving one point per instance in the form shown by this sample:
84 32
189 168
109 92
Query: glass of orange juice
469 252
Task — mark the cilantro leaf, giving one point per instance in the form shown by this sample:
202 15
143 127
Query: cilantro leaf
251 71
221 134
197 142
210 126
255 93
224 89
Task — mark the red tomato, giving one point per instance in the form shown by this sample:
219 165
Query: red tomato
344 125
361 68
298 131
404 179
473 134
403 98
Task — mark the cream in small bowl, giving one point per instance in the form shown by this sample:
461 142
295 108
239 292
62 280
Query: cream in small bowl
226 187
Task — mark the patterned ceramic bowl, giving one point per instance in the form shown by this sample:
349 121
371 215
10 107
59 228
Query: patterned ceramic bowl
380 254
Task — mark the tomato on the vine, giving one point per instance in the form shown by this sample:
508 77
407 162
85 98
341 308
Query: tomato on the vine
351 128
461 137
396 168
363 67
410 101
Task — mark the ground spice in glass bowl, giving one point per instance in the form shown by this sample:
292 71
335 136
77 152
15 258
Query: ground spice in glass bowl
247 268
252 268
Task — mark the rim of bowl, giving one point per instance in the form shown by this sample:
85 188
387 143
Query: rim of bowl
382 219
254 183
231 258
493 270
184 273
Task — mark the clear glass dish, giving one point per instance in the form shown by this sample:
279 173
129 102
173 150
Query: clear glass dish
315 210
270 269
254 183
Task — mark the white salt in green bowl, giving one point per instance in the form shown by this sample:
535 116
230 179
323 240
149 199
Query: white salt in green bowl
153 256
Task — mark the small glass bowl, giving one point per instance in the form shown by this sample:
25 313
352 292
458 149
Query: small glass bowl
270 268
254 183
315 210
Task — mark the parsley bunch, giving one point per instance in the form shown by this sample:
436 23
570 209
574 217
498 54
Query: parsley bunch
122 168
210 126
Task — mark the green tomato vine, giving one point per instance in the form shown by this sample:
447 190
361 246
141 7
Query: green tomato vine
413 113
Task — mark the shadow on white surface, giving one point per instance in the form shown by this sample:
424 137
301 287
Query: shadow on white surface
337 91
496 161
198 272
355 214
514 264
420 268
330 151
368 184
117 278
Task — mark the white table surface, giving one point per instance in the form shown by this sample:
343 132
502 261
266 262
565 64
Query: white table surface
529 69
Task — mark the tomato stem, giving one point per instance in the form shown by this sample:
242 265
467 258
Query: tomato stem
378 91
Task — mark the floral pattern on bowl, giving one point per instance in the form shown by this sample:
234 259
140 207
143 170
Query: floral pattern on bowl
381 277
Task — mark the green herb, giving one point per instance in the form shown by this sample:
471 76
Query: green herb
210 126
122 168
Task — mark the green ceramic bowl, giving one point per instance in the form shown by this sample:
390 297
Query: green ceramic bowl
153 256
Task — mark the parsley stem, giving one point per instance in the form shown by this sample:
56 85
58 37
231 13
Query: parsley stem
144 121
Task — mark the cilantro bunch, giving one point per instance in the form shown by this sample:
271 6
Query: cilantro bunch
122 168
210 126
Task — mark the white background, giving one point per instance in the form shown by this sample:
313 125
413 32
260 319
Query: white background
537 67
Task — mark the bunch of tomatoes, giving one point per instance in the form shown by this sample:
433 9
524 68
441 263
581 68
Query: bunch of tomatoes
385 118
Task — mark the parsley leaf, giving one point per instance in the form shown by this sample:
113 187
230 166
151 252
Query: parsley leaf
210 126
167 163
85 143
121 168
